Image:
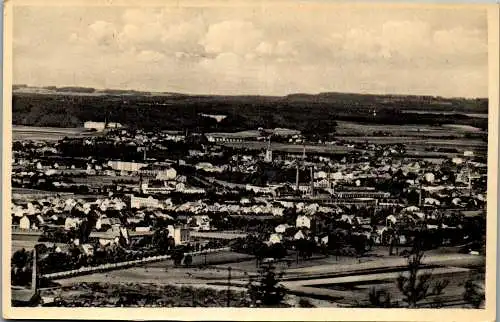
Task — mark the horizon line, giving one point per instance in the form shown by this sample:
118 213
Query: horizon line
240 95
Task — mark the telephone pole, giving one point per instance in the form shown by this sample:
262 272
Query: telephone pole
229 286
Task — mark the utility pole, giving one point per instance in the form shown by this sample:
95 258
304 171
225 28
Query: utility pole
229 286
420 194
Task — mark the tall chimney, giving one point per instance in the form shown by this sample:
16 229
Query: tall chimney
297 178
312 180
420 195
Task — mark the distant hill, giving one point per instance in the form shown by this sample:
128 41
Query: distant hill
71 106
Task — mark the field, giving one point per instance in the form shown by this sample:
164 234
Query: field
105 180
291 148
343 281
23 194
358 129
20 133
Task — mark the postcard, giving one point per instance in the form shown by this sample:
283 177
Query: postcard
250 160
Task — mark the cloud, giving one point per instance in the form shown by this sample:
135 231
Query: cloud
102 32
231 51
232 36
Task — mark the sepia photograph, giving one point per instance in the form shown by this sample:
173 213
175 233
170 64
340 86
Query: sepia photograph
275 155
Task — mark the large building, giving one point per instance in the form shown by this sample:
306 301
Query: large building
126 166
100 126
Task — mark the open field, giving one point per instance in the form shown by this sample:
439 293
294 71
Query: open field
23 194
358 129
105 180
353 290
291 148
478 115
343 281
34 133
414 140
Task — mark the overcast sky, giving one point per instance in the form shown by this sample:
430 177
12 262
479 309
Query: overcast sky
254 50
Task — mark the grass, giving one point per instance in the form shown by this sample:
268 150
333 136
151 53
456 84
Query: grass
21 132
146 295
296 148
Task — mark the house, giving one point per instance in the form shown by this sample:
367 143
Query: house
138 202
201 222
100 126
350 219
126 166
167 174
280 229
323 240
275 238
24 223
390 220
303 221
181 235
429 177
71 222
87 249
299 235
109 237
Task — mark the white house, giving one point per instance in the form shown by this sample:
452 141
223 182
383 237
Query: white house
429 177
150 202
24 223
275 238
202 222
303 221
99 126
71 223
281 228
299 235
179 234
167 174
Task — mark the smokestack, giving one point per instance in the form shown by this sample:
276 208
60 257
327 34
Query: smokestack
297 178
420 196
469 181
312 180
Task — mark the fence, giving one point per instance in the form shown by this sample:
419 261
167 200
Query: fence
112 266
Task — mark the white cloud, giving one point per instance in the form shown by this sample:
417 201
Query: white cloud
232 36
238 51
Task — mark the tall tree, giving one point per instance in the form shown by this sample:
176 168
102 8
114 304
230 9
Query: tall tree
267 291
415 285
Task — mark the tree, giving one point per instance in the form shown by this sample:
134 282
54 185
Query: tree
414 286
177 256
306 303
160 240
380 298
277 251
267 291
474 293
359 243
188 260
260 252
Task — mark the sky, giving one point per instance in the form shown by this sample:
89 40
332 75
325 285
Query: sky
261 50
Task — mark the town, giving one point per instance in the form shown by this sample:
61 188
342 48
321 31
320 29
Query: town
210 210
